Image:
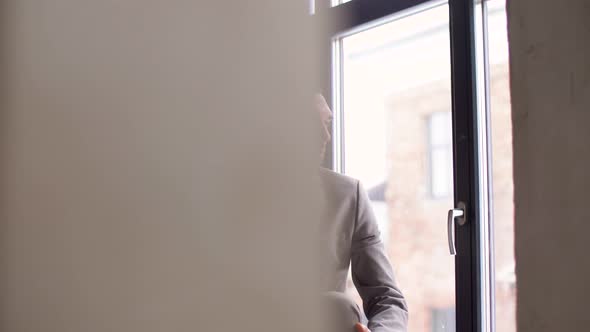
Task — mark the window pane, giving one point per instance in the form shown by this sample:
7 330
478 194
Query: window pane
503 196
395 80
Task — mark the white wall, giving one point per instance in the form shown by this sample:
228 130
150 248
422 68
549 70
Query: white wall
154 162
549 53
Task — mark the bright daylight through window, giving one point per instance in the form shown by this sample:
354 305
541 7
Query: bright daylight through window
394 88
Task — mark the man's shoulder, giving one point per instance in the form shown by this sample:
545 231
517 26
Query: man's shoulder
335 181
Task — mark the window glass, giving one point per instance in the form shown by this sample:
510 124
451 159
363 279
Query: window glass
392 124
502 180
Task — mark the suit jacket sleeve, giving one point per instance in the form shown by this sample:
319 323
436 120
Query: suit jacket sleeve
383 302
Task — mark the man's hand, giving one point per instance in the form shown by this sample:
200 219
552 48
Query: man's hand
361 328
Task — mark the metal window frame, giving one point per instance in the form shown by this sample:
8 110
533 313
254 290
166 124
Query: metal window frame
468 278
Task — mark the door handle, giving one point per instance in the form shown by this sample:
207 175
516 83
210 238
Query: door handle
460 216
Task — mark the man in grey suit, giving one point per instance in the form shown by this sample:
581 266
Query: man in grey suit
352 238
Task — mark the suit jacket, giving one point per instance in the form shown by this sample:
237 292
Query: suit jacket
351 238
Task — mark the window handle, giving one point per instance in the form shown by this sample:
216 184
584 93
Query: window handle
460 216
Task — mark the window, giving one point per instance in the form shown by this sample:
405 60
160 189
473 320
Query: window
441 154
390 72
443 320
379 204
393 76
501 213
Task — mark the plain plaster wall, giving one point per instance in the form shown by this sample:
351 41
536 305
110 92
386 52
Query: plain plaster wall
155 156
550 73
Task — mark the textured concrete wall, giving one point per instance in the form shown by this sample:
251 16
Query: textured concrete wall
549 53
155 159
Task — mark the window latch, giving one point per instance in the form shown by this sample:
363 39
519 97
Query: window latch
458 215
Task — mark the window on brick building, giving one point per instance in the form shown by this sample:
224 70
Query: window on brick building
443 320
441 154
379 205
